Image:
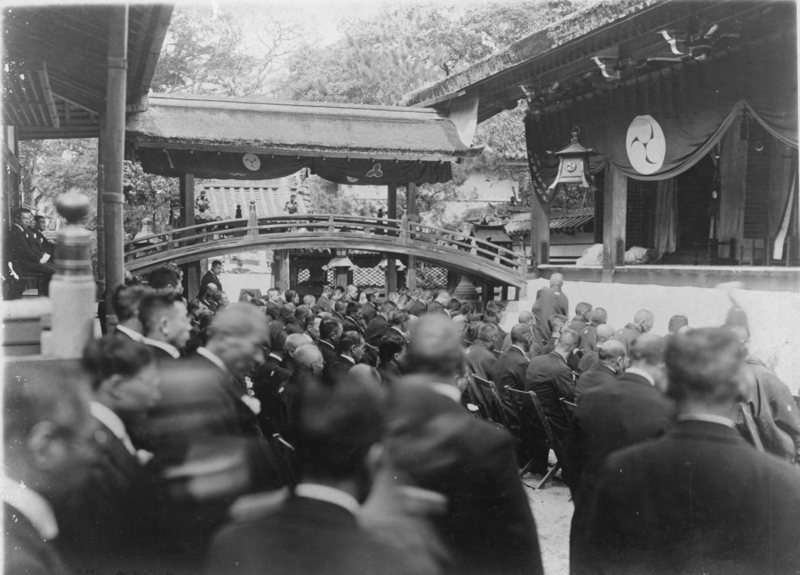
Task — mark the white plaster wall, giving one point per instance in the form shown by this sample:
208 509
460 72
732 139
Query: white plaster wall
774 317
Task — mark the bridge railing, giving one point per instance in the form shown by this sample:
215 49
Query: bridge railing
394 231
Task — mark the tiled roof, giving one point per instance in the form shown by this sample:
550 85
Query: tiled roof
270 196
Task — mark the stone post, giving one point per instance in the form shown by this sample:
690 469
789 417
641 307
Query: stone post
72 289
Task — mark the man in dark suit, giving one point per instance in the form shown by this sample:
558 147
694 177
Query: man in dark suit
611 362
551 378
480 357
206 415
619 412
330 331
699 499
25 255
316 530
509 371
125 302
47 245
165 323
48 452
379 324
642 323
550 301
582 316
107 522
602 333
211 277
433 444
392 349
351 350
597 317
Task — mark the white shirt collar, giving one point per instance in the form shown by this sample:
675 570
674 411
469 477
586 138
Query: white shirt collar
642 373
448 390
327 494
707 418
134 335
212 358
348 358
524 353
32 505
112 421
168 347
329 344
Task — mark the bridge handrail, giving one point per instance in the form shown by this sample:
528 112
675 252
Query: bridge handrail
402 229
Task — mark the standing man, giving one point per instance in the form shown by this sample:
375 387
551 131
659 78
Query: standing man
665 506
211 277
550 301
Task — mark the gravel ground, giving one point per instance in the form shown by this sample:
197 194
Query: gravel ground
552 510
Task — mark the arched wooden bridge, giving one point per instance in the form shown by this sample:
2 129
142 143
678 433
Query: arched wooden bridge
470 255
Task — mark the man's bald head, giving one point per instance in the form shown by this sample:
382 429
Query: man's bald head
611 350
435 347
525 317
295 341
238 335
598 316
604 332
556 280
644 319
310 357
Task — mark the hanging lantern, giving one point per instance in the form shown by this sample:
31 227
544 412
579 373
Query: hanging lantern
572 164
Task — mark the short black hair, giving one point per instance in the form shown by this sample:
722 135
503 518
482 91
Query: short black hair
390 344
164 277
328 327
126 299
337 428
114 355
349 339
216 263
152 303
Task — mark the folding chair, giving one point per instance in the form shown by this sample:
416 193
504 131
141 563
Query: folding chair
533 420
750 424
496 409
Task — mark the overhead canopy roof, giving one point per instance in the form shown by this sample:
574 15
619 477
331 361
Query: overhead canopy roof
557 63
345 143
55 65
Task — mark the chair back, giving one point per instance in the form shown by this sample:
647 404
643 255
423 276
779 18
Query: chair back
534 420
492 399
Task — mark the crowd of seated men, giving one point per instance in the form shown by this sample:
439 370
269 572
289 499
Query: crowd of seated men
333 434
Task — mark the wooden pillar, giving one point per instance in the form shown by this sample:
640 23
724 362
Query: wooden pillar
540 232
100 230
615 210
191 270
411 216
280 270
114 147
391 262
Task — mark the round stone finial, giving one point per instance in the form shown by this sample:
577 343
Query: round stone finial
73 205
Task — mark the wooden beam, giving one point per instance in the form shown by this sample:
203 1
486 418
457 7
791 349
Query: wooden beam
411 216
540 231
391 265
114 143
615 211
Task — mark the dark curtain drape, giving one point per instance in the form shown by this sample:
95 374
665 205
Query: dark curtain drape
694 106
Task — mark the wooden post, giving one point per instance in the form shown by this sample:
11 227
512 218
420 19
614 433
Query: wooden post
280 270
100 230
540 232
191 270
411 216
615 210
72 288
391 265
113 155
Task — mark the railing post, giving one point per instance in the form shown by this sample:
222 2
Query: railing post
72 289
252 221
330 224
